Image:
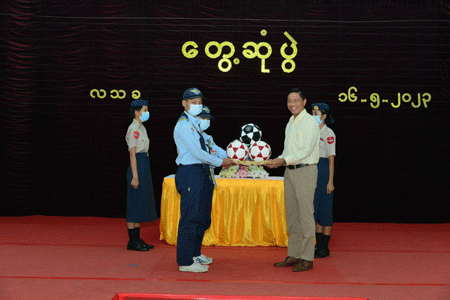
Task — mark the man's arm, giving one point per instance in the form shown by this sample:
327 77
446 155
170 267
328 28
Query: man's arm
220 153
190 140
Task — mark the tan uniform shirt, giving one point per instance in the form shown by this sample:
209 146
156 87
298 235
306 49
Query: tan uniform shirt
301 143
327 144
137 137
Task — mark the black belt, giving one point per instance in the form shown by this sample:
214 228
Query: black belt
292 167
205 166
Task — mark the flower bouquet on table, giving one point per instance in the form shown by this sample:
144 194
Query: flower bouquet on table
257 171
250 159
242 171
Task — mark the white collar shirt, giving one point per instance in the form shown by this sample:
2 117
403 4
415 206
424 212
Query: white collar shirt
327 145
301 143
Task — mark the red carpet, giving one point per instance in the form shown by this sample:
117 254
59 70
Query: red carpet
215 297
73 258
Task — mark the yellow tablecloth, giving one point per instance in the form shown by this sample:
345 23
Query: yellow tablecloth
245 212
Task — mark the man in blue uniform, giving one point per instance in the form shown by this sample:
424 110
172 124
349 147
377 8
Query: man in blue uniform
195 183
205 121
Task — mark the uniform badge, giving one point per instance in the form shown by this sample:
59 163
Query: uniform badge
136 135
330 140
195 91
316 107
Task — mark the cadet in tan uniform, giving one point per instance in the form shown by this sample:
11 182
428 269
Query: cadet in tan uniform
140 194
323 197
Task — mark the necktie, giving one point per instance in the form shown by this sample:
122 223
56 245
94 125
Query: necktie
203 146
202 142
211 169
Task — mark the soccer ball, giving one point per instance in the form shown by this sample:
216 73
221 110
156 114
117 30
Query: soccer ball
260 151
237 150
250 133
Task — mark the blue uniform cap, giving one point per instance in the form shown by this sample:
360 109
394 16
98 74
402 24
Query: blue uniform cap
206 113
192 93
324 107
139 102
320 106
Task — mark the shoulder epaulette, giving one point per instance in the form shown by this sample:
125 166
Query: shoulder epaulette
182 118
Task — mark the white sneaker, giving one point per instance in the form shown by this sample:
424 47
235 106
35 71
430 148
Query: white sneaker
203 259
194 268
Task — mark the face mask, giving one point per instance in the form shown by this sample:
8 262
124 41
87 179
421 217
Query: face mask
204 124
145 116
195 109
318 119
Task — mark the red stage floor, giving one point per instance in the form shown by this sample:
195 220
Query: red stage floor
85 258
136 296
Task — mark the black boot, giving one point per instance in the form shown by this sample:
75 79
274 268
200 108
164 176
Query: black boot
134 242
319 237
323 251
138 236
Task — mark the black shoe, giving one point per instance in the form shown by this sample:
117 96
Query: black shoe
146 245
137 246
321 253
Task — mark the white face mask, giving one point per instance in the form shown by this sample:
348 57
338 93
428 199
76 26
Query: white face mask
204 124
195 109
318 119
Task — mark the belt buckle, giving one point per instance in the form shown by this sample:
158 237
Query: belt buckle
297 166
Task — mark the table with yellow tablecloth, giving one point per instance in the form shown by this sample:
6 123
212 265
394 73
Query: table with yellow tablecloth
245 212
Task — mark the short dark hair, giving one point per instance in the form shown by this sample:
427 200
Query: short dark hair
298 91
329 119
133 109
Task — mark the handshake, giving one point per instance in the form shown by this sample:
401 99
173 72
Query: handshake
228 162
275 163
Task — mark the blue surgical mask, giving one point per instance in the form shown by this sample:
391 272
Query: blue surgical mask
318 119
145 116
204 124
195 109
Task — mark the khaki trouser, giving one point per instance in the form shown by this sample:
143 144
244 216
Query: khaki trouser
299 188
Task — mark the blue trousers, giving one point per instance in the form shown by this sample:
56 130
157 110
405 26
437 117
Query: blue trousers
194 184
323 202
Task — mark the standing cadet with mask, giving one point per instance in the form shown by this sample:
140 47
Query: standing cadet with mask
205 121
195 183
323 198
140 195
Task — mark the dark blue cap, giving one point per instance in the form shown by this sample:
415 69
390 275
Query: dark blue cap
139 102
206 113
192 93
320 106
